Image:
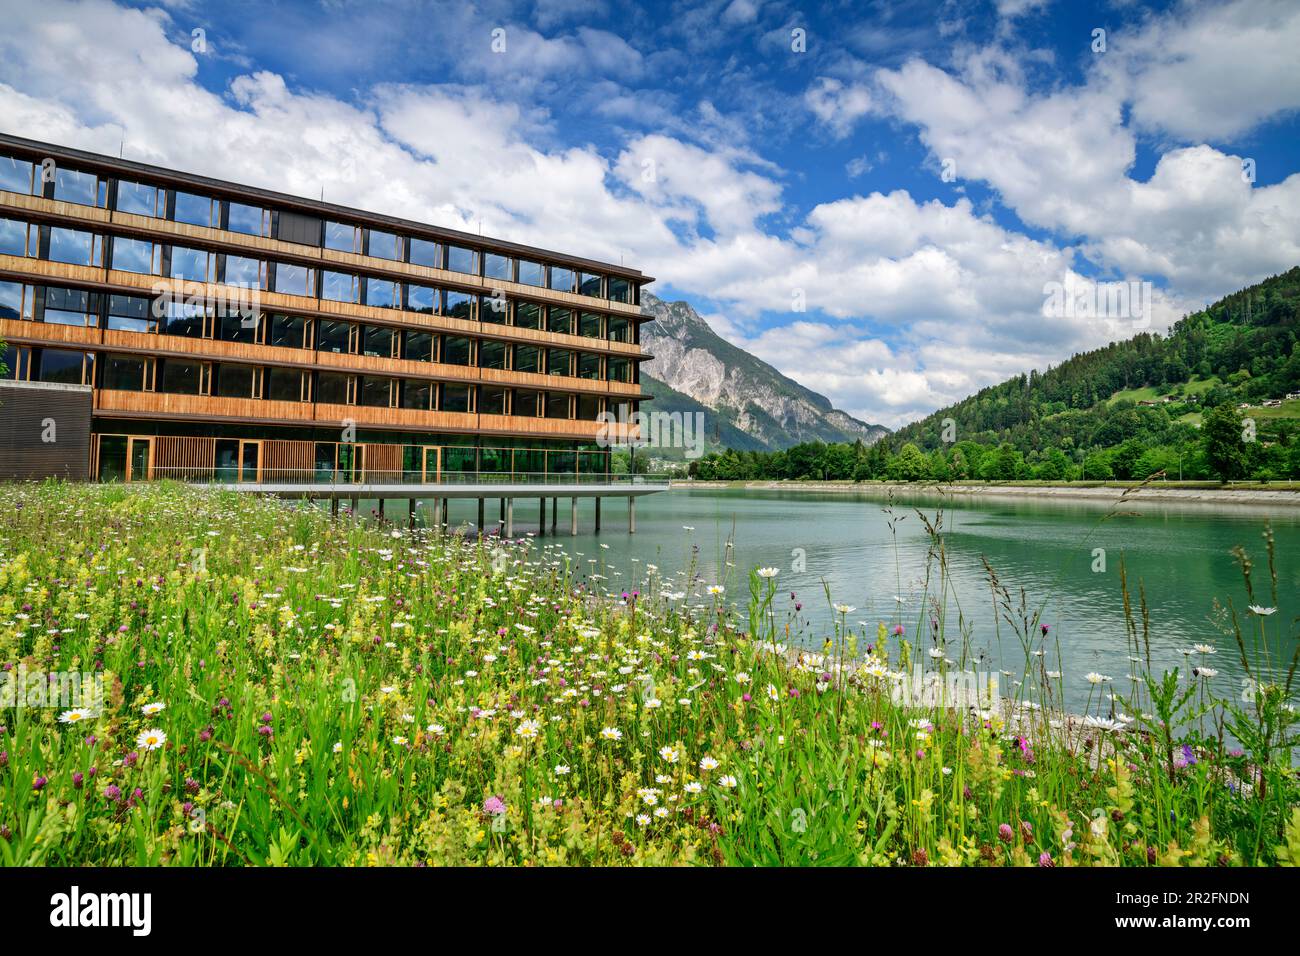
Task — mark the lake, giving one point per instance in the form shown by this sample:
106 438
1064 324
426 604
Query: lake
1180 553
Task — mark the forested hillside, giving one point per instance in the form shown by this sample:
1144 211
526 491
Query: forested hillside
1207 400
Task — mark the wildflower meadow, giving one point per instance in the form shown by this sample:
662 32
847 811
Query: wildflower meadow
259 684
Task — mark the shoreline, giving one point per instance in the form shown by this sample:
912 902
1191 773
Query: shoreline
1211 494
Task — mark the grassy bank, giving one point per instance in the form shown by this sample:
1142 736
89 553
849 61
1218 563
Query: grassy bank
283 689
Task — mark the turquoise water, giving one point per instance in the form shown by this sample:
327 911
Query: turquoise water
1180 554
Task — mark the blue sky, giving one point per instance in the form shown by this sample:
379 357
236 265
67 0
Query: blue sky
878 210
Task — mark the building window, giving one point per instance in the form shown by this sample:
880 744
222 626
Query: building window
384 245
71 307
456 350
588 408
181 377
558 362
591 325
422 298
133 255
190 264
288 331
527 358
528 315
459 305
590 284
493 401
11 296
383 293
54 365
237 327
418 346
181 318
194 210
338 286
374 392
532 273
290 279
332 388
244 272
620 370
85 189
377 341
247 220
562 279
342 237
334 336
15 175
498 267
559 320
494 309
493 354
460 259
588 366
129 313
284 384
235 381
455 398
128 373
417 395
424 253
74 247
13 237
140 199
620 290
619 329
557 405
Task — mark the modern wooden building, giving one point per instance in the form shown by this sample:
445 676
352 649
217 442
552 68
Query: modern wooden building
254 336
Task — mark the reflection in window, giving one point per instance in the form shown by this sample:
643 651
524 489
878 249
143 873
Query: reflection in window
493 354
494 309
189 264
620 290
13 237
557 361
527 358
73 247
288 331
532 273
377 341
124 373
338 286
589 284
557 405
422 298
333 336
460 259
562 279
341 236
193 210
132 255
588 365
139 199
528 315
459 305
619 329
525 403
559 320
374 392
71 307
71 185
497 266
384 245
383 293
291 279
493 401
11 296
248 220
129 313
53 365
15 175
424 253
589 325
243 271
283 384
417 394
180 318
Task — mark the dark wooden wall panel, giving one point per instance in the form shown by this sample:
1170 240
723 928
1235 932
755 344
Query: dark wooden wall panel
33 413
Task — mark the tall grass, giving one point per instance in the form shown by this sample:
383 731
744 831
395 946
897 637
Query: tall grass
342 694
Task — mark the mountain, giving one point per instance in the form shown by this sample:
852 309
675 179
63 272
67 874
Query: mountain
748 404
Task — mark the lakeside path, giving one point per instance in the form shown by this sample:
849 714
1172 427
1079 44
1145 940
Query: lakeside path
1155 491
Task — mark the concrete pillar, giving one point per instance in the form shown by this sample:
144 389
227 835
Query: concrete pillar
356 506
334 507
480 515
541 519
598 512
510 517
410 512
631 515
503 509
446 506
573 516
555 511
